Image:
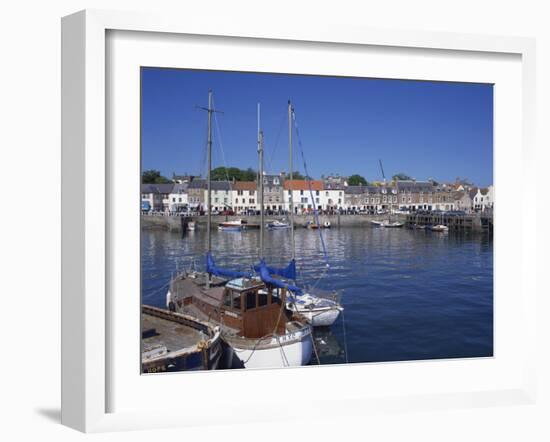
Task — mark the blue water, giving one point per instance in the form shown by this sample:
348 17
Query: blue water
407 294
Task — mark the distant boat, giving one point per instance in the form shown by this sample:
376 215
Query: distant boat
439 228
278 225
176 342
237 225
191 226
313 225
386 224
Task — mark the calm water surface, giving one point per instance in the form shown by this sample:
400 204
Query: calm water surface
407 294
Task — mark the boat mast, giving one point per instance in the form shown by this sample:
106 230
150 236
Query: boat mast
210 111
291 175
209 178
261 182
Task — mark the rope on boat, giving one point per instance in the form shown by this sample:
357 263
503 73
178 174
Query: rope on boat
154 292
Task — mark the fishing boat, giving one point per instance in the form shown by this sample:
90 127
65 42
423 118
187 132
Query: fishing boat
277 225
176 342
256 326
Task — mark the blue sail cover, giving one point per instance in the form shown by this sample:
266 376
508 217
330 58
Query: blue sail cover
213 270
266 277
288 272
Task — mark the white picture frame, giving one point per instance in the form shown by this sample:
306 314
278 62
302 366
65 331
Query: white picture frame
85 203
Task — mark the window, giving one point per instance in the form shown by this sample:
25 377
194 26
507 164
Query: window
239 192
326 193
173 199
251 300
276 181
179 199
301 192
262 299
317 192
317 200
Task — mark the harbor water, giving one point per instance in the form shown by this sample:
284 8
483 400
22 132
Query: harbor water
407 294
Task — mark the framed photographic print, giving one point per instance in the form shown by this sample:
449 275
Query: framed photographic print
248 210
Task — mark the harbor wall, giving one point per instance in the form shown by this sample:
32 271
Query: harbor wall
170 222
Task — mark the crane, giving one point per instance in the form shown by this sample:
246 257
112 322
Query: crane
382 169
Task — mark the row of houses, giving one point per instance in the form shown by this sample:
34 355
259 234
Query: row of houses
325 195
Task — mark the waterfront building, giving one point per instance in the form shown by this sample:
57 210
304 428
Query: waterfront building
302 198
178 197
221 196
462 200
273 192
483 199
415 195
196 191
155 197
333 194
244 196
355 198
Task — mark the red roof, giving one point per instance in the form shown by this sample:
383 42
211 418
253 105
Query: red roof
244 185
303 185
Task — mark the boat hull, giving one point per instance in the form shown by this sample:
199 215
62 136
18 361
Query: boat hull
320 317
290 350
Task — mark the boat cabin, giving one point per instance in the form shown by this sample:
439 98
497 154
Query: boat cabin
252 308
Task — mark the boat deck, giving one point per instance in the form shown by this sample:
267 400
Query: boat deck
174 336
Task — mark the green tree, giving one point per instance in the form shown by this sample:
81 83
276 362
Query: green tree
357 180
401 176
233 173
153 176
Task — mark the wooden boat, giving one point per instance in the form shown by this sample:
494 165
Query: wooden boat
176 342
259 330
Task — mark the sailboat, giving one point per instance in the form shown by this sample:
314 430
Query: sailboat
321 309
251 311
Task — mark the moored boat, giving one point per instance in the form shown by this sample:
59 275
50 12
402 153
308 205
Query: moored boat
177 342
277 225
255 323
439 228
237 225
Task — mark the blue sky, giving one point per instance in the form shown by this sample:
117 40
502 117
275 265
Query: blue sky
424 129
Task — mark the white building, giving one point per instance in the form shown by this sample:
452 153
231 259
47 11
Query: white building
306 195
178 198
221 196
155 197
484 199
244 196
